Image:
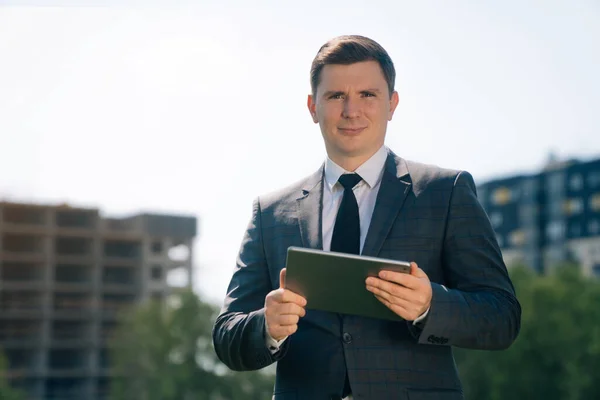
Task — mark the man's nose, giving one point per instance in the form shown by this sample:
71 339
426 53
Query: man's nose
351 107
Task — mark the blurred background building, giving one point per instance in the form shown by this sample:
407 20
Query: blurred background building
550 217
64 274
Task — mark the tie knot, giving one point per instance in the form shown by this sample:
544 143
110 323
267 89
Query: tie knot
348 181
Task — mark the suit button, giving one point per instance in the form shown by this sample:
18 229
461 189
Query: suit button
347 338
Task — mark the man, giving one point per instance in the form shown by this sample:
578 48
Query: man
367 200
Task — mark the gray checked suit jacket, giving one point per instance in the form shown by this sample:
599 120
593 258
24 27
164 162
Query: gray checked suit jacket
424 214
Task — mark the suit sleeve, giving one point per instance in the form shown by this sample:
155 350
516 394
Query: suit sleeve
477 308
239 330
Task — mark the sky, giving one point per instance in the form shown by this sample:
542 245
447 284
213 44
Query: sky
197 108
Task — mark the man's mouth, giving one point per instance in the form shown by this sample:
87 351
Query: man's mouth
351 131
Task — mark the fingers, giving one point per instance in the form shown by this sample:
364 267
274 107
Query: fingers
282 318
389 288
407 311
407 295
288 319
391 292
412 280
416 271
287 296
289 309
283 310
282 278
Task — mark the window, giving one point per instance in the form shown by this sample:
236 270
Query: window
593 227
501 196
573 206
517 238
575 229
595 202
496 219
576 182
593 179
529 188
156 272
556 182
515 193
157 247
555 208
528 213
555 230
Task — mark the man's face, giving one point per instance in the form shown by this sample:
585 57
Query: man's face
352 106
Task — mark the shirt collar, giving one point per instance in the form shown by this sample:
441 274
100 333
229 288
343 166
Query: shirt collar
370 171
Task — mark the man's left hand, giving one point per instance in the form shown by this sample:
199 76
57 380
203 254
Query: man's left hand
407 295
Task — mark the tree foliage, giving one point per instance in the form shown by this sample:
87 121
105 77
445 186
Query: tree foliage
164 352
557 353
6 391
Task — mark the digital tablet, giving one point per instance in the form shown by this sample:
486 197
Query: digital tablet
335 282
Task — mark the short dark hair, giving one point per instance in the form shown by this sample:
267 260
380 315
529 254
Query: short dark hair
350 49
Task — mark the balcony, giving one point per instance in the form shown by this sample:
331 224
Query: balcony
76 222
17 247
21 303
69 362
120 279
69 334
122 252
23 363
73 277
113 304
30 386
73 305
73 250
19 218
108 331
67 389
23 334
25 229
121 229
22 275
103 389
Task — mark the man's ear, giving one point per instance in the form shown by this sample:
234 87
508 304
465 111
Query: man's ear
312 108
393 104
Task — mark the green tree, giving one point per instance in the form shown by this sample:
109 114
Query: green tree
163 351
557 353
6 391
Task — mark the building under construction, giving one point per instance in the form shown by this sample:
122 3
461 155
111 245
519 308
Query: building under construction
64 274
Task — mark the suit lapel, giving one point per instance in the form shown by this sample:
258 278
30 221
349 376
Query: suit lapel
395 186
310 210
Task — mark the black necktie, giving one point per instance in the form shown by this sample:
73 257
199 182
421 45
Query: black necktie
346 231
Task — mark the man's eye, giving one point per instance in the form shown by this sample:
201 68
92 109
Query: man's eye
336 96
369 94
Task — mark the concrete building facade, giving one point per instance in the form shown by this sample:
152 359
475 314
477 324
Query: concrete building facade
64 274
548 218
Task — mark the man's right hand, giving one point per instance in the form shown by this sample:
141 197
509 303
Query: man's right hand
283 309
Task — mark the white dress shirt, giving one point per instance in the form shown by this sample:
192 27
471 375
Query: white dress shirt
371 172
365 192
